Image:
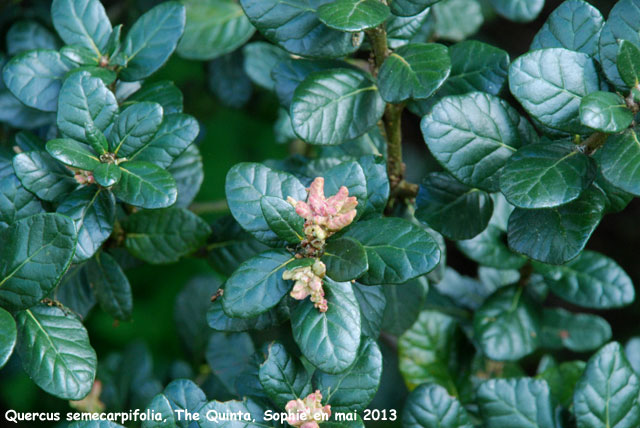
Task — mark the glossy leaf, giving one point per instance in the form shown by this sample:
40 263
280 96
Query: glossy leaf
605 112
556 235
214 28
617 159
295 26
457 19
283 377
576 332
518 403
282 219
151 40
345 259
55 351
550 84
474 135
36 252
373 302
165 93
257 285
410 7
145 185
546 175
628 63
8 334
72 153
562 380
188 171
82 22
35 78
507 326
406 29
592 280
229 356
425 351
607 393
489 249
414 71
453 209
331 107
353 389
404 304
430 405
93 212
623 23
397 250
134 128
107 174
27 35
353 15
163 236
329 340
246 184
518 10
15 201
111 286
585 22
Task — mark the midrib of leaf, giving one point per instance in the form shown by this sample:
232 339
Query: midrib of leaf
84 30
21 265
157 28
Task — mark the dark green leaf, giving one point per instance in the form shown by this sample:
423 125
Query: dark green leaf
246 184
145 185
220 321
617 159
518 10
430 405
556 235
165 93
331 107
550 83
257 285
181 394
629 63
214 28
75 291
372 302
111 286
407 29
27 35
329 340
35 77
562 380
283 377
353 15
96 139
404 304
107 174
426 351
473 135
282 219
260 58
414 71
80 56
15 201
8 334
585 22
576 332
187 170
295 26
163 236
175 134
72 153
93 211
546 175
453 209
55 351
507 326
345 258
397 250
410 7
607 394
228 80
605 112
36 252
465 291
592 280
353 389
228 356
517 403
623 24
151 40
134 128
82 22
489 249
457 19
16 114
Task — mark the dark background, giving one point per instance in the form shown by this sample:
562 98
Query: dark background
229 136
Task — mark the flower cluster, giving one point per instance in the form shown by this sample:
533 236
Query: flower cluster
308 412
324 216
308 282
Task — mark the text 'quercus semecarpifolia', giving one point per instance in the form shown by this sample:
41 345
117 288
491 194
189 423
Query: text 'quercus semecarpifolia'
332 250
